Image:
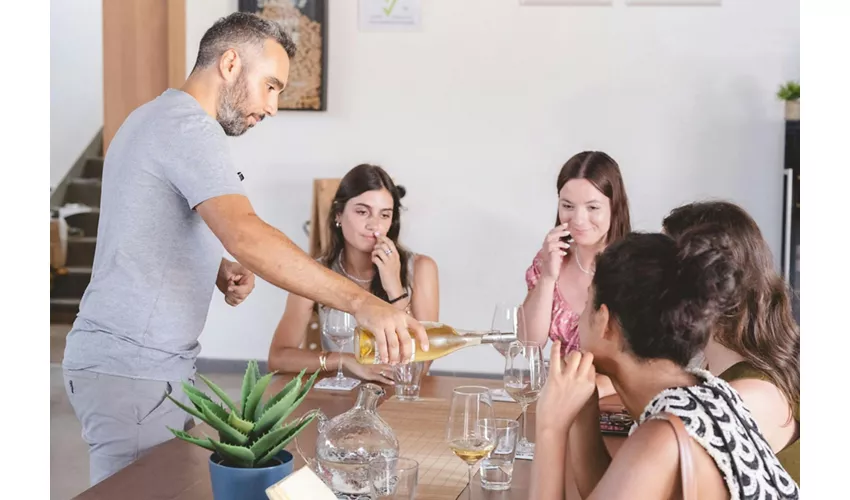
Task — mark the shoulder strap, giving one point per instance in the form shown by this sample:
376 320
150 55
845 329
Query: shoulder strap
686 459
411 261
743 370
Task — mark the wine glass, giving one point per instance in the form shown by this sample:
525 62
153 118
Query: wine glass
338 327
524 378
505 320
467 439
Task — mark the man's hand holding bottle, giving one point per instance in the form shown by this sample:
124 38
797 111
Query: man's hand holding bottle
391 328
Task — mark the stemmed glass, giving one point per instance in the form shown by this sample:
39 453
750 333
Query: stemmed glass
338 327
465 435
505 320
525 375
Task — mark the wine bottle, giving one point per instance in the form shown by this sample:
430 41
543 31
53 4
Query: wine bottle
443 339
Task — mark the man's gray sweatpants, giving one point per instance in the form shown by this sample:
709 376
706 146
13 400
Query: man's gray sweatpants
122 418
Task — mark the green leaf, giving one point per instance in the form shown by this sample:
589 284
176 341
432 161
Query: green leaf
270 440
220 393
284 392
234 456
198 398
239 424
191 391
256 371
190 411
273 413
301 396
309 384
250 406
203 443
292 433
248 383
227 432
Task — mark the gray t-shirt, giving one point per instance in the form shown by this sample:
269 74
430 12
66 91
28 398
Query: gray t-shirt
156 260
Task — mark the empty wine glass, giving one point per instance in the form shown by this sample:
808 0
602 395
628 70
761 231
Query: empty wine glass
505 320
524 378
467 439
338 327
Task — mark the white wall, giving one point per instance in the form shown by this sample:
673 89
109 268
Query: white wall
476 114
76 80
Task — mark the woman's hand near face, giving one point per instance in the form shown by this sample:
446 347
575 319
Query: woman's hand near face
385 257
553 251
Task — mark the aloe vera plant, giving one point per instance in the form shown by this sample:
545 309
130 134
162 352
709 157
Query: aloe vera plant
250 433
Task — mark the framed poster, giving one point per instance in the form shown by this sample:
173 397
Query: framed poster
306 22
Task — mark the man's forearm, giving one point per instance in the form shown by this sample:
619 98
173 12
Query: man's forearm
275 258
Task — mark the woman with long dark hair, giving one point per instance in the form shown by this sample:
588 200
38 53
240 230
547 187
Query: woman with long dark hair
651 308
593 212
364 222
755 345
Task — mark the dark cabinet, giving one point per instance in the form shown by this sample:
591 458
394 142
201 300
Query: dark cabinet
791 213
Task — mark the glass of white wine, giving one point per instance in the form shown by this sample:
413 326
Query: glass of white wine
525 376
467 439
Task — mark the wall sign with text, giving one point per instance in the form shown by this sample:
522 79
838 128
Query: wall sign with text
390 15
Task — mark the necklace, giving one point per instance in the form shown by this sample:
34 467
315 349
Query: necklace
358 280
578 261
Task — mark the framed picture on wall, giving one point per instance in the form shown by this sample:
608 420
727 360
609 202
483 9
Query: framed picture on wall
306 22
673 3
567 2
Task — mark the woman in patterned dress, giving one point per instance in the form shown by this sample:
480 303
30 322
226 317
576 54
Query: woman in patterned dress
651 306
593 211
756 345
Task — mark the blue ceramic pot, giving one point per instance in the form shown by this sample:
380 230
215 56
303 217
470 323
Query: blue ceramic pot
231 483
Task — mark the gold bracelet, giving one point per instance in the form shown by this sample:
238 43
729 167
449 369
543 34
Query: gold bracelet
323 359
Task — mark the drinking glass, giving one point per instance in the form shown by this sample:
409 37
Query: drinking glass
524 378
467 439
505 320
338 327
407 378
497 469
393 478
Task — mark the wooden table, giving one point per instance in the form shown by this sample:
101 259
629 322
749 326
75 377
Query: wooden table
176 470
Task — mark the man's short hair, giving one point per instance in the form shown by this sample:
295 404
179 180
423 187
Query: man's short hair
240 29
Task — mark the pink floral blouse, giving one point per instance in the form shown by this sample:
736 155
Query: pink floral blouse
564 326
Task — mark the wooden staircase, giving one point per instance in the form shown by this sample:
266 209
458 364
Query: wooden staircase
82 186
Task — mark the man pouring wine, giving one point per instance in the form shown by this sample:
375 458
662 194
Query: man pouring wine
171 198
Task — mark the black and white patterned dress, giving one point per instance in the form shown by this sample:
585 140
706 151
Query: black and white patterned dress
716 418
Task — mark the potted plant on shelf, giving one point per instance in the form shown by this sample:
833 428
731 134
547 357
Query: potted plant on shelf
790 93
248 455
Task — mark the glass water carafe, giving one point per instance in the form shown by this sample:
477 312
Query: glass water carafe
348 442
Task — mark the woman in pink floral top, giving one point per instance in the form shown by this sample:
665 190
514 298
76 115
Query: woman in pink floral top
593 212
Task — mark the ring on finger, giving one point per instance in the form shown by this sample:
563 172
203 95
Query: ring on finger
387 251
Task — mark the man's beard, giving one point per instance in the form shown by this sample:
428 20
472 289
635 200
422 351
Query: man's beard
231 116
